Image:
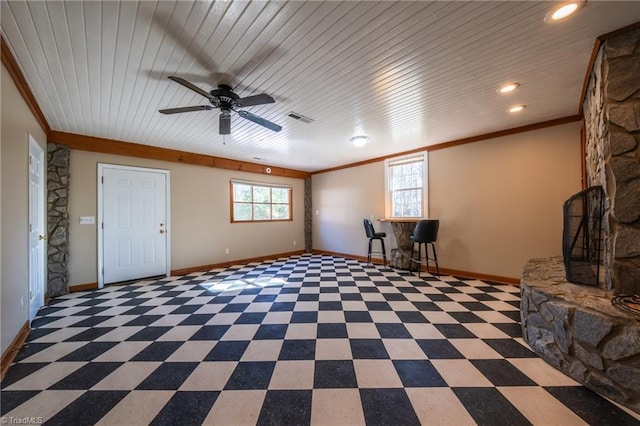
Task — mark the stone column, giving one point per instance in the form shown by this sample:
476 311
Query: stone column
612 125
401 256
58 219
622 94
308 217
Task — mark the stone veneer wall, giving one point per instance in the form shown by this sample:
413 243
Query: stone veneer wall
58 219
612 124
577 330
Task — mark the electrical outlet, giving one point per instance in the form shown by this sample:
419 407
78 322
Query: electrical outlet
226 251
294 242
21 302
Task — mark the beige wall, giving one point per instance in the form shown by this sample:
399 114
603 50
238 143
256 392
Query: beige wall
200 225
341 199
17 123
499 201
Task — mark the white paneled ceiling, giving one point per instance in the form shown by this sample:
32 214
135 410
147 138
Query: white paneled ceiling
407 74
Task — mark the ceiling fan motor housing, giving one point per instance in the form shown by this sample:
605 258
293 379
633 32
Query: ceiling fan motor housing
225 94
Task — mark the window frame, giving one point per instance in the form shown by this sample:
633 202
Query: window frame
388 193
270 186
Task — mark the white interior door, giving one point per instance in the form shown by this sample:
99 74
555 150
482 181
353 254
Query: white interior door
37 231
134 223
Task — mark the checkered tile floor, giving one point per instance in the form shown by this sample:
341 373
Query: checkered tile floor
308 339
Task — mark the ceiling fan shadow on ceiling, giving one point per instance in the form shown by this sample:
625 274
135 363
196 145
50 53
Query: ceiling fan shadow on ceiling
226 100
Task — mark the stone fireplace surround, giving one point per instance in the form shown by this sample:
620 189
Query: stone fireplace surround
575 328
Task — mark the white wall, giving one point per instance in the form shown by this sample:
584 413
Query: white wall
16 124
200 216
499 201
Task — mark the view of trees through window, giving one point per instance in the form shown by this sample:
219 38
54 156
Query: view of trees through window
252 202
406 180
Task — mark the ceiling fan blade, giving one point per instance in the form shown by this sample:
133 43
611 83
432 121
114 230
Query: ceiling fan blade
260 99
193 87
185 109
225 123
259 120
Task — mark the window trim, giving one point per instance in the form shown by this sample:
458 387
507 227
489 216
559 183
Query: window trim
388 199
232 202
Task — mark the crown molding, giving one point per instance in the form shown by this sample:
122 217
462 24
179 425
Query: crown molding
128 149
18 78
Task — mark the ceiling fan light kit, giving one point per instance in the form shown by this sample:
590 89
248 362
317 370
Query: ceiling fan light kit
225 123
225 99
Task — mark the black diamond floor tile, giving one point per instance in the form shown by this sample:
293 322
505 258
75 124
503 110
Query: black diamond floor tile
77 413
13 399
186 407
89 352
368 349
414 373
439 349
286 407
271 331
251 375
501 372
387 407
488 406
298 349
86 376
334 374
332 330
168 376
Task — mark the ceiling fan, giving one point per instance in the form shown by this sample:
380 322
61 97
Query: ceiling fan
226 100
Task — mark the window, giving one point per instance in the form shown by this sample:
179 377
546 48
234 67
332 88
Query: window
257 202
406 186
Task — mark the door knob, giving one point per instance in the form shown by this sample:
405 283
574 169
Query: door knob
162 231
42 237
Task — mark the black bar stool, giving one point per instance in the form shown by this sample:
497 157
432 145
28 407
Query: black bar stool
425 232
373 235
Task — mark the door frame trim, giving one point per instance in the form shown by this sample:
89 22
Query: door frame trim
101 169
42 219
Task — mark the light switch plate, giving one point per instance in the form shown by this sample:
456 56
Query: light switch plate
87 220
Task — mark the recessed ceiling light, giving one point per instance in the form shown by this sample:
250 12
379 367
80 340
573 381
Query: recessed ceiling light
562 11
510 87
359 140
516 108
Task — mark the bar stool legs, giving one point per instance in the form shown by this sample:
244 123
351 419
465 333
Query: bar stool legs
426 255
384 251
425 232
435 258
373 235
